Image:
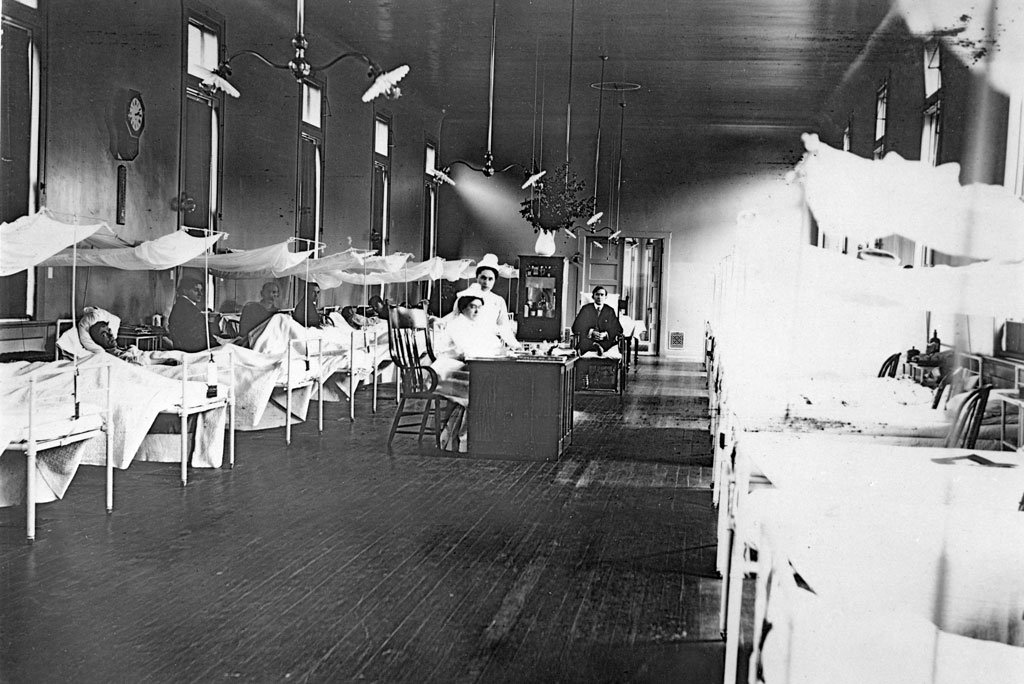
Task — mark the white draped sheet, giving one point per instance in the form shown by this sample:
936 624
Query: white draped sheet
335 342
816 640
865 199
137 397
159 254
31 240
273 261
909 568
357 267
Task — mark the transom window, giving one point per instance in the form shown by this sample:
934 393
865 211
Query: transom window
203 49
881 107
381 186
312 97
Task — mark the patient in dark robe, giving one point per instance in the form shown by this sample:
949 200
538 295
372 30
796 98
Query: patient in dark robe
307 311
254 313
188 325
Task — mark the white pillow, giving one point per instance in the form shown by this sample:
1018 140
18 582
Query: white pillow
77 342
611 300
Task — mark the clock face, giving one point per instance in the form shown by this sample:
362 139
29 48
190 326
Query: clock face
136 114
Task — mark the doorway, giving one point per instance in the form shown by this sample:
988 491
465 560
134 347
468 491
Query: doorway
630 269
641 288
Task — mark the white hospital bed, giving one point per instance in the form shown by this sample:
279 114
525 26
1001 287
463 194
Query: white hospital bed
47 421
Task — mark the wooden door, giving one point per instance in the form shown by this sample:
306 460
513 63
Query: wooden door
603 267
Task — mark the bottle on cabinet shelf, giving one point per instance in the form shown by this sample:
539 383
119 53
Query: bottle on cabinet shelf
934 344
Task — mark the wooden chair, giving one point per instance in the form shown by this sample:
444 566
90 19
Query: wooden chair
889 367
964 432
412 352
950 381
603 373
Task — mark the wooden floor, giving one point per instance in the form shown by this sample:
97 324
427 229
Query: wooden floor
331 562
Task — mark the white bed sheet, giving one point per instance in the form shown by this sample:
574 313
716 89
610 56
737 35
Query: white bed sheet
814 640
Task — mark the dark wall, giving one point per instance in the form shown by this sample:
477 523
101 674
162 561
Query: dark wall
98 48
974 117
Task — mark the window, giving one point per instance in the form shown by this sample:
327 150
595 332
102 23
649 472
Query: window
430 203
932 69
1014 174
198 202
312 97
21 96
881 105
381 186
931 133
931 125
311 165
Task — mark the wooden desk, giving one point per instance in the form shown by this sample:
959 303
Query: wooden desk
1009 400
521 408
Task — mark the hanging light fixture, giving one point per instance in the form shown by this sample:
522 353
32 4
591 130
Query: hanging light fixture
613 197
557 205
531 174
597 145
618 182
383 82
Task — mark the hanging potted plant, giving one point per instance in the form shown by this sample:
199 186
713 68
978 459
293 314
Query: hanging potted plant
555 204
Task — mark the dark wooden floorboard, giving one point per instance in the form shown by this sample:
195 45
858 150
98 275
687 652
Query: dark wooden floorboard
331 561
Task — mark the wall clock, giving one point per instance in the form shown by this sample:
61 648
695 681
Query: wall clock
131 120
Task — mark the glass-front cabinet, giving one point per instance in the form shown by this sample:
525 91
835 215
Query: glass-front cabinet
541 286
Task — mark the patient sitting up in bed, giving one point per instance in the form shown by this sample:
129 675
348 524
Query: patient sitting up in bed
307 311
190 329
254 313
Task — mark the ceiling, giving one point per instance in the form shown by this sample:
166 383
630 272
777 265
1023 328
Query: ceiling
724 83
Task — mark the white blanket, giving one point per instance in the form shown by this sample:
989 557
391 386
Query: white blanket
959 567
137 397
814 640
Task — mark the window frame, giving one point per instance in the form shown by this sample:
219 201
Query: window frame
430 196
881 118
380 229
316 134
32 20
192 89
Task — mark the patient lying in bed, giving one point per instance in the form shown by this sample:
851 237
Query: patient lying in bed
97 333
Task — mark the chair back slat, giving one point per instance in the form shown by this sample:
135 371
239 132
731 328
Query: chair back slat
964 432
889 367
410 346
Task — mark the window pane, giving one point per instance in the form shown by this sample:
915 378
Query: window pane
381 138
881 102
932 70
431 159
199 124
309 191
311 100
202 50
16 98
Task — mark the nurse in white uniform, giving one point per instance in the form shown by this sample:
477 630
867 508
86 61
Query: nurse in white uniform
494 311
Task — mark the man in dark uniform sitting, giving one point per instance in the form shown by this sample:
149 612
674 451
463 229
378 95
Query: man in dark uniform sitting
597 325
187 323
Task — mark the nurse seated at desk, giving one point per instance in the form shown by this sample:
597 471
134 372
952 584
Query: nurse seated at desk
466 335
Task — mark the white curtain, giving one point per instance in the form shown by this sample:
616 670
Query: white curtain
31 240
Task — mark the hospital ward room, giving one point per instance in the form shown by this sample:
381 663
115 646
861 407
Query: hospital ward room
469 342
